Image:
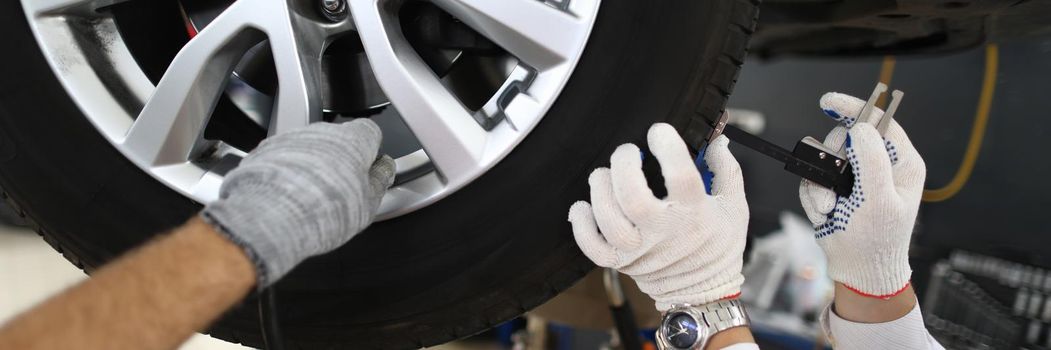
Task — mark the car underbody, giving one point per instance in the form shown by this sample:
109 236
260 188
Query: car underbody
884 27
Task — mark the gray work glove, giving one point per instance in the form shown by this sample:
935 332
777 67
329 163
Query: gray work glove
302 193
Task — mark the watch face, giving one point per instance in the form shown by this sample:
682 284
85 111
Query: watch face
680 330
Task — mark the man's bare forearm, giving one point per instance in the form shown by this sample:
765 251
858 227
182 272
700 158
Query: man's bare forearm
152 298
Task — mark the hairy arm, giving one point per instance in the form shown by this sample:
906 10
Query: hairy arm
157 296
154 297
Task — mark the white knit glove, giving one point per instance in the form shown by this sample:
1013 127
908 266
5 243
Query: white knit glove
686 248
866 235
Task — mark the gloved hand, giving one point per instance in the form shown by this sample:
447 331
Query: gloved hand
302 193
686 248
866 236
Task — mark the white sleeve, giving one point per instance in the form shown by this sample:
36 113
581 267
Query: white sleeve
742 346
907 332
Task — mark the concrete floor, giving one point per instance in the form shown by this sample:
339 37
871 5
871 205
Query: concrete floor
30 271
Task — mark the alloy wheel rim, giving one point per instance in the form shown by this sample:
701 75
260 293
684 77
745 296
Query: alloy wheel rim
165 136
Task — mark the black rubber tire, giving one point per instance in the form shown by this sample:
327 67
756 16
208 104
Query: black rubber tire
482 256
9 217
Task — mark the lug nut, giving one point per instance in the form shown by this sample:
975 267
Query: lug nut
334 10
332 5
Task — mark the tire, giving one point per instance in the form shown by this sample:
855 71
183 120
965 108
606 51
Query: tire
9 217
483 255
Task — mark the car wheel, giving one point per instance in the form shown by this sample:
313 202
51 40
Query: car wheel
119 118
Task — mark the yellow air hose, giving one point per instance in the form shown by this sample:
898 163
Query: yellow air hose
981 120
974 145
886 72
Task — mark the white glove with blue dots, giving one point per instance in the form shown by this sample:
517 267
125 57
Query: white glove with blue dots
866 236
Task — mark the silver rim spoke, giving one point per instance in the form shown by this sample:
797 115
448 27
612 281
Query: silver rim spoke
169 128
297 65
538 34
297 47
452 139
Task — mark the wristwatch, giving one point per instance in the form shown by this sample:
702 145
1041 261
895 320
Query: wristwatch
686 326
